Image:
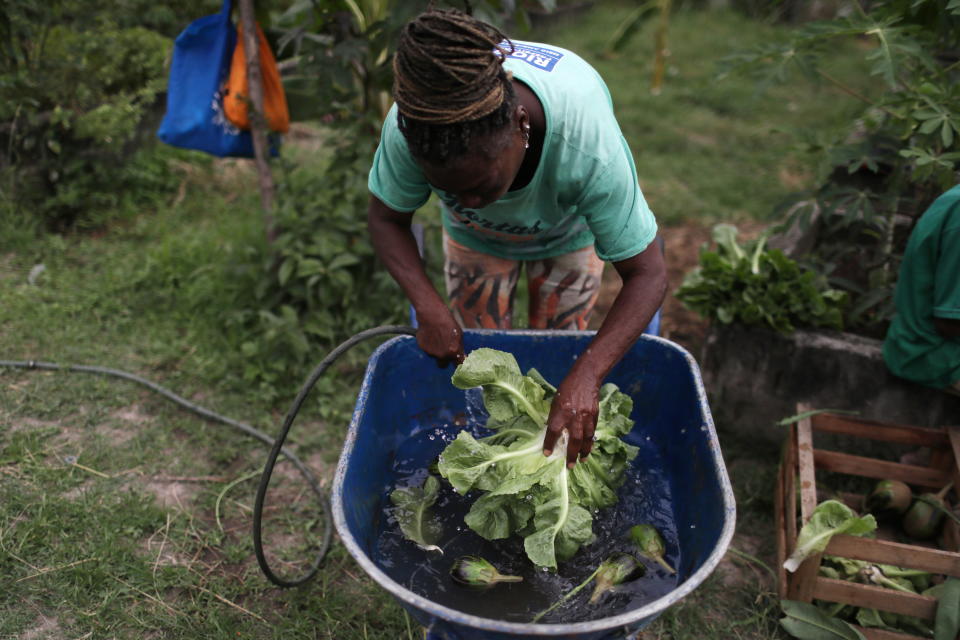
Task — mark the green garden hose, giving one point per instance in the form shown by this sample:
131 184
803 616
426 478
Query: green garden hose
278 447
277 444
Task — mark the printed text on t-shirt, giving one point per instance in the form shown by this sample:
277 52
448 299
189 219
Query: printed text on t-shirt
472 219
539 57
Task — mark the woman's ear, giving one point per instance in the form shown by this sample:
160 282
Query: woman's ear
522 118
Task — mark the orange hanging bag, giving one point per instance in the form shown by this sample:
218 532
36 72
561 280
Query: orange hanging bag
237 92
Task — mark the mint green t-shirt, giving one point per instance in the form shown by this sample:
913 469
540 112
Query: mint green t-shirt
584 192
928 287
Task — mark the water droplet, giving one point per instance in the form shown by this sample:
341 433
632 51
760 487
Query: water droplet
544 569
648 438
683 430
432 437
693 526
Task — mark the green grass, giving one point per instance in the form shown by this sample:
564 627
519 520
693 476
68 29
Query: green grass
124 516
711 148
120 512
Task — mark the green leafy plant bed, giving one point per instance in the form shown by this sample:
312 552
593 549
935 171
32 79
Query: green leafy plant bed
756 286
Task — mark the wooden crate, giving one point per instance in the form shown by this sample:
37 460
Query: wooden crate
801 460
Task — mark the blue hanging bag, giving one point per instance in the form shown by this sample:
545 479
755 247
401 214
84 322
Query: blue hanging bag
198 71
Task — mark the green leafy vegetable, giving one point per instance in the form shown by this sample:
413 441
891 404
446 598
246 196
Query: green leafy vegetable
807 622
650 544
888 576
867 617
830 518
789 420
947 621
474 571
525 492
414 515
751 285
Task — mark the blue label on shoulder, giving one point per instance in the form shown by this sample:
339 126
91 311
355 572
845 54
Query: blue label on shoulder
538 57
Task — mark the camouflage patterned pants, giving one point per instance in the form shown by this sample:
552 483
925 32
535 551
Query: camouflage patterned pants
481 287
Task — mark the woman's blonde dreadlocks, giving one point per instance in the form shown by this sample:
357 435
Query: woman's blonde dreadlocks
449 83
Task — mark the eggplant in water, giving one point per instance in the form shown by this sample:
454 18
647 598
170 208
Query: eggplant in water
474 571
650 544
616 569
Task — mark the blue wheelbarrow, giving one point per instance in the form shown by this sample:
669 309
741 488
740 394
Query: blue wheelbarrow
404 393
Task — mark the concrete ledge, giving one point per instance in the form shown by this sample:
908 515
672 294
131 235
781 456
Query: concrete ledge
756 377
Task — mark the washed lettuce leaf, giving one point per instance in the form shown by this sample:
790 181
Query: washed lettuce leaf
415 516
524 492
831 517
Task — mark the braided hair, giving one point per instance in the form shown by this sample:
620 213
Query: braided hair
449 83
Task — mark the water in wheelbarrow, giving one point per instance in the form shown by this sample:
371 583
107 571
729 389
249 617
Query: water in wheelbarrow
644 497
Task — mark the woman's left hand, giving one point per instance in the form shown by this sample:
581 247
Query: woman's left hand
575 408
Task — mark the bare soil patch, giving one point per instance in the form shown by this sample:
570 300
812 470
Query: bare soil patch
45 629
681 251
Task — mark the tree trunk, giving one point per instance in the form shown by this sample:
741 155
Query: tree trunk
258 123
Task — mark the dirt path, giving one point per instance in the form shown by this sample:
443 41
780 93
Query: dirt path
677 323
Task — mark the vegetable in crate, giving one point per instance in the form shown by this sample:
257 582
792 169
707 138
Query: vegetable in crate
650 544
888 498
924 517
526 493
890 577
806 621
474 571
831 517
947 621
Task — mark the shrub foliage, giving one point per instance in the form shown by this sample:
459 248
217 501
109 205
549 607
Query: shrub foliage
894 160
80 90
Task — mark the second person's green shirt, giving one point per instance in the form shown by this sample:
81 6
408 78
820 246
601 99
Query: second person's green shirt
928 287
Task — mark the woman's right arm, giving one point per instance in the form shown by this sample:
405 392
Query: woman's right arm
438 335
